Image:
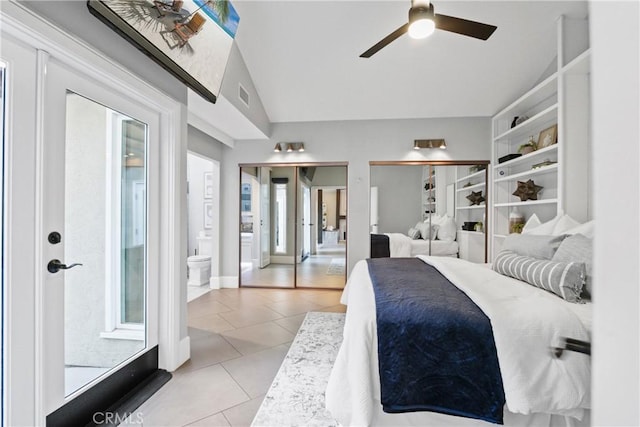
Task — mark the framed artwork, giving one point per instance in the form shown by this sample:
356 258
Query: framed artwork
208 215
548 137
208 185
191 39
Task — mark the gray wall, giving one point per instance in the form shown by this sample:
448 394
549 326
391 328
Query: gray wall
74 16
399 197
356 142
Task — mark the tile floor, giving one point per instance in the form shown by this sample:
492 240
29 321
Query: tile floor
239 338
313 272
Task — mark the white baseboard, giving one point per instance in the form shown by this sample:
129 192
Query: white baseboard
214 282
184 353
225 282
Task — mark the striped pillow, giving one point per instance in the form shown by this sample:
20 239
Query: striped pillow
564 279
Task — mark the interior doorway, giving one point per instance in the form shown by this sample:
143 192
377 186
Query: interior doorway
293 225
203 208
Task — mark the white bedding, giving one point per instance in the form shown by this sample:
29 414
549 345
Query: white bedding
526 322
402 246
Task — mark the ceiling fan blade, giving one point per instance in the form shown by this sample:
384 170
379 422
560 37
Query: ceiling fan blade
462 26
385 41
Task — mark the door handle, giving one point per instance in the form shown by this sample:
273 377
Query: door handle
55 265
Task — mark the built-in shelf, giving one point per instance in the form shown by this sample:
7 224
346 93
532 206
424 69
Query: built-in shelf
526 203
471 176
470 207
475 233
544 90
579 65
533 172
527 157
499 236
472 187
548 113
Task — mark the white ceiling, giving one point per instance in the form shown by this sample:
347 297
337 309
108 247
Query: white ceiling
303 57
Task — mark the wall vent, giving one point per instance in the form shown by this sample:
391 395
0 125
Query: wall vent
243 94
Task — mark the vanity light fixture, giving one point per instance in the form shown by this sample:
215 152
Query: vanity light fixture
429 143
290 147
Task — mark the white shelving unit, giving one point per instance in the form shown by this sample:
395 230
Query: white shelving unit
471 243
561 99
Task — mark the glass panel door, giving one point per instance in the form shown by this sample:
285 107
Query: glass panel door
97 231
105 233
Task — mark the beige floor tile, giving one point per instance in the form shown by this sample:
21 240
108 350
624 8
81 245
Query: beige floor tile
211 322
258 337
207 306
191 397
243 414
292 324
326 298
255 372
335 309
216 420
208 350
293 307
248 317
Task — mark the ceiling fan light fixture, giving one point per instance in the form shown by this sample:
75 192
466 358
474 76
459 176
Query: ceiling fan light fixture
421 28
421 22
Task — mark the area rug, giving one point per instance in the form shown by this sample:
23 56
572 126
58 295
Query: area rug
336 267
296 396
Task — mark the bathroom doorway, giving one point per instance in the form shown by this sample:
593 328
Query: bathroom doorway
203 223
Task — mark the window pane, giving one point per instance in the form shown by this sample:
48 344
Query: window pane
133 215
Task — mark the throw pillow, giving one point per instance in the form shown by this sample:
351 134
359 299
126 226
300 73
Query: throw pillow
541 247
565 279
413 233
578 248
447 230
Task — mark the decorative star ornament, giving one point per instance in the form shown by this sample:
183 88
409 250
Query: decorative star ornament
475 198
527 190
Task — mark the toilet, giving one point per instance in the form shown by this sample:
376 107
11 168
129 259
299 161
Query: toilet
200 265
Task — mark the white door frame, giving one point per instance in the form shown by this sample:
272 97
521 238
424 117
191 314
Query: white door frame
25 272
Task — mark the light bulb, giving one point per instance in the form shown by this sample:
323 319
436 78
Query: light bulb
421 28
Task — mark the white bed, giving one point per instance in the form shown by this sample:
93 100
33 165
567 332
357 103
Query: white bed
539 388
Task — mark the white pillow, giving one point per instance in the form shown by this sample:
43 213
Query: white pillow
531 223
413 233
447 230
586 229
435 219
544 229
427 232
564 223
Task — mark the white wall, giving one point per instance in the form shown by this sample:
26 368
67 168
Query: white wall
196 168
399 197
615 41
356 142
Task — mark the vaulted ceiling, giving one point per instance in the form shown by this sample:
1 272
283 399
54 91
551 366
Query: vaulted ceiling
303 57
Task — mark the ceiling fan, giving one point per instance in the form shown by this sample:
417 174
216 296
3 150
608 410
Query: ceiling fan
423 21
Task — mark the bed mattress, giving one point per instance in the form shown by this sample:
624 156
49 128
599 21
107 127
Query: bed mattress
353 392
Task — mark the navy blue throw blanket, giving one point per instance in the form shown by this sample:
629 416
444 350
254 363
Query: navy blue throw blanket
435 345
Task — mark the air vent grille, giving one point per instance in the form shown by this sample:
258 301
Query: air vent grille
243 94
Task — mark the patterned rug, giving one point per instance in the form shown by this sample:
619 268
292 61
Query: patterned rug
296 396
336 267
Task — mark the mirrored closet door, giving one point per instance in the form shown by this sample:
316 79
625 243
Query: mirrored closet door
293 225
429 208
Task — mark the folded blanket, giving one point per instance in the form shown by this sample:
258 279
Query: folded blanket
435 346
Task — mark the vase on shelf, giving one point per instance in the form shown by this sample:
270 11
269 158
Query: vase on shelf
516 222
